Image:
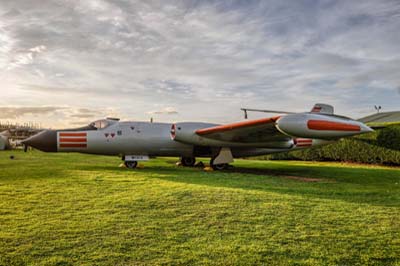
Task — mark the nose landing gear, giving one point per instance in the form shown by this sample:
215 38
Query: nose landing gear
131 164
131 161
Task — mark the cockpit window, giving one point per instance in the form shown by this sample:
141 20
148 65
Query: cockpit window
100 124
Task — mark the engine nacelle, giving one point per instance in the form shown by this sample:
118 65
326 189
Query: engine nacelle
186 133
319 126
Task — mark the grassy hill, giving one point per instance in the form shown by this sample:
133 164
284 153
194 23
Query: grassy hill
68 209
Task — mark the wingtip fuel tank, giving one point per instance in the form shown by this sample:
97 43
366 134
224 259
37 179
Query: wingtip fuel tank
310 125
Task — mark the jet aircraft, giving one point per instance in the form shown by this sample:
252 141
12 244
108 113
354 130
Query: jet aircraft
137 141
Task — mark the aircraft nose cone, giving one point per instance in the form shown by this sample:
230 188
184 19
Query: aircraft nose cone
44 141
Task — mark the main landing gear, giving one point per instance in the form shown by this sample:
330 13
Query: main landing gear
221 166
185 161
188 161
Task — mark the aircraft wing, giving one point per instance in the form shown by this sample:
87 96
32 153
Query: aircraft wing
259 130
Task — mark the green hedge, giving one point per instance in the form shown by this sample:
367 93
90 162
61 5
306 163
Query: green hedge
389 138
379 147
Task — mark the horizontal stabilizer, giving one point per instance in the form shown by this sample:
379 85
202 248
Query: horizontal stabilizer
266 111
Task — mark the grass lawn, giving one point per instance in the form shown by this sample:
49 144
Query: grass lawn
69 209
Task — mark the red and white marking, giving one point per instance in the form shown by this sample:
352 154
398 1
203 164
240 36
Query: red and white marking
173 131
299 142
69 140
316 109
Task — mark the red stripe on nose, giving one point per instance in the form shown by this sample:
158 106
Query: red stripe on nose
70 134
73 145
331 126
73 139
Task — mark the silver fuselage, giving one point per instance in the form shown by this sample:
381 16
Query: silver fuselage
144 138
198 139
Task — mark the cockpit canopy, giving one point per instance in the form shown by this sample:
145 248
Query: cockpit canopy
102 123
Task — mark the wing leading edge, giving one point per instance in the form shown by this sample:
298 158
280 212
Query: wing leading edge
259 130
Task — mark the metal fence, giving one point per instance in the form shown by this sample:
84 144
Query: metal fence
20 131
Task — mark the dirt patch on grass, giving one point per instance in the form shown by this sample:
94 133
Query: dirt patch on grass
280 174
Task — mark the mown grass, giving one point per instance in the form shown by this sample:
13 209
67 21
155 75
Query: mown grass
68 209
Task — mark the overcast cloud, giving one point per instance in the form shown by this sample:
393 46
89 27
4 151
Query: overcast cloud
195 60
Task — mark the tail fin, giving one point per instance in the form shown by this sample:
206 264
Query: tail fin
322 108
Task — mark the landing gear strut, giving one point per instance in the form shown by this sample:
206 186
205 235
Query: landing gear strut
188 161
221 166
130 164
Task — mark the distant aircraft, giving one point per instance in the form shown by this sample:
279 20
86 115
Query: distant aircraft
137 141
4 140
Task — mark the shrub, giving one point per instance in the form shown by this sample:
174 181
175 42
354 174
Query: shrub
389 138
361 149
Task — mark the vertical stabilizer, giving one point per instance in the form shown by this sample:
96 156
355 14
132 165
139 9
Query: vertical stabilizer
322 109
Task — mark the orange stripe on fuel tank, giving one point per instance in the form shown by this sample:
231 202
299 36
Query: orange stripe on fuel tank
73 145
71 134
332 126
227 127
73 139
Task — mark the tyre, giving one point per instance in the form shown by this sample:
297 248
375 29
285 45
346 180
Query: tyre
131 164
221 166
188 161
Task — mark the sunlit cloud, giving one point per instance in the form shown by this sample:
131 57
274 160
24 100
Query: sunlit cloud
17 112
166 110
204 58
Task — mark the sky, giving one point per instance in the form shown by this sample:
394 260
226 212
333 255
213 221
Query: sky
68 62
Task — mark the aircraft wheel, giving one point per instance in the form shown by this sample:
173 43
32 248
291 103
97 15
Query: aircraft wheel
131 164
188 161
221 166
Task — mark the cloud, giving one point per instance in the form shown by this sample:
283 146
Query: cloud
164 111
17 112
208 57
61 90
82 115
85 113
25 57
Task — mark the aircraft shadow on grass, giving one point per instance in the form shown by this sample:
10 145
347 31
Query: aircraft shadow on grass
310 182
